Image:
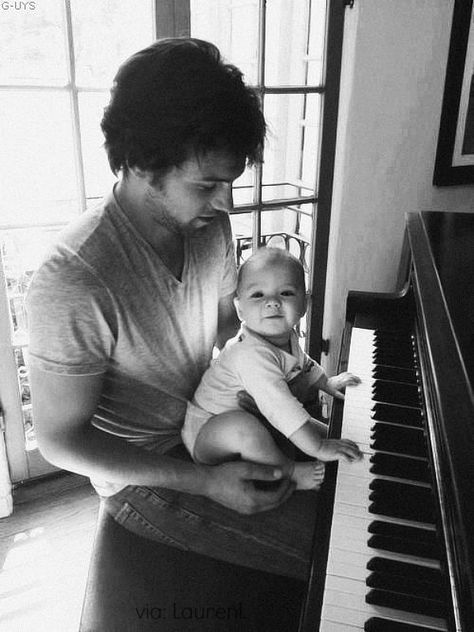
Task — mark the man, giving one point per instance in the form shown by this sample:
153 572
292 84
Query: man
126 310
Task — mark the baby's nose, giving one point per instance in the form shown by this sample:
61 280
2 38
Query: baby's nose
272 301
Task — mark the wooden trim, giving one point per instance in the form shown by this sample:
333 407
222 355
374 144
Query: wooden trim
322 220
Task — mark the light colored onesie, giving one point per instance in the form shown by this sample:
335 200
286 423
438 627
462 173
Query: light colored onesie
249 362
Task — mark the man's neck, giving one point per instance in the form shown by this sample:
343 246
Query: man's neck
167 242
160 235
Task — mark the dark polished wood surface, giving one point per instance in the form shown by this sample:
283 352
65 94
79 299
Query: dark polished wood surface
451 237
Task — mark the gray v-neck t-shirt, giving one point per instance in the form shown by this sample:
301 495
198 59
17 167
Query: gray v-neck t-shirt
103 302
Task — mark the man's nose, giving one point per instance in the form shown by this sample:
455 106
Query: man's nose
223 200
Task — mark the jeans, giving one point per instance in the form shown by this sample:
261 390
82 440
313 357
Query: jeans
276 541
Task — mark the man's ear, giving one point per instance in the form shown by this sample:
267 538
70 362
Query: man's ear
237 307
143 174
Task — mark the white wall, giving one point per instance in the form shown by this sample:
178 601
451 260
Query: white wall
394 62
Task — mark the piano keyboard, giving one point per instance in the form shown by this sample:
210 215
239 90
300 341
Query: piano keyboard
383 572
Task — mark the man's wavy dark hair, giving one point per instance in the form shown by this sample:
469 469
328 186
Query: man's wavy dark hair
177 97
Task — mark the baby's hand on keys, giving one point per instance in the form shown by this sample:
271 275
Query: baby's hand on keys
337 449
335 385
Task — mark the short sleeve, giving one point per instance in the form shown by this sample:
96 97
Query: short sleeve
70 319
313 370
229 272
262 376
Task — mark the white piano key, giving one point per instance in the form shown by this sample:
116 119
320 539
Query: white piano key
356 559
358 614
344 606
331 626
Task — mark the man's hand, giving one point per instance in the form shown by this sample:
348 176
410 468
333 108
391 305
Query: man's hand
234 485
336 385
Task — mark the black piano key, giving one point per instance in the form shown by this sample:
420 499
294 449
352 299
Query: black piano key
406 547
395 374
397 414
396 393
402 342
400 350
402 387
384 581
393 349
407 603
386 442
393 360
412 500
377 624
395 530
405 569
400 467
383 507
390 438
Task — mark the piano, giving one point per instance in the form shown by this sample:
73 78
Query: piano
394 538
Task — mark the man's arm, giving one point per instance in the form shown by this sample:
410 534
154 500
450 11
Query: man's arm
228 322
63 406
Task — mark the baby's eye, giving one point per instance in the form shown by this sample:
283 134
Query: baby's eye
256 295
287 293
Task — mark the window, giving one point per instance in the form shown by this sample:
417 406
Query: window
279 45
57 62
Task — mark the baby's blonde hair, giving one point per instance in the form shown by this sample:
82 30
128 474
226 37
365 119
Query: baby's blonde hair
266 256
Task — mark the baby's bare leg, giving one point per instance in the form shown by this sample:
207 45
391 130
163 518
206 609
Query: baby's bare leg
238 434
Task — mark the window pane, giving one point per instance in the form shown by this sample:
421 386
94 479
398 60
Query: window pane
316 42
33 47
294 42
243 187
292 145
286 42
98 176
242 231
233 27
21 252
105 34
37 158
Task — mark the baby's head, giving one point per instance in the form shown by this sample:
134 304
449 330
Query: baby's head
271 293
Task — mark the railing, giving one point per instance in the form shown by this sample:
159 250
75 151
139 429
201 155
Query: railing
296 244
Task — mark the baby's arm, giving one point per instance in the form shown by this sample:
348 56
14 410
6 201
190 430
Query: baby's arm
335 385
308 439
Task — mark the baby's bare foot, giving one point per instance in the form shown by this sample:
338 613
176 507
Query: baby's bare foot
308 474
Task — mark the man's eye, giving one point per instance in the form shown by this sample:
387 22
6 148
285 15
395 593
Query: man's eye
206 187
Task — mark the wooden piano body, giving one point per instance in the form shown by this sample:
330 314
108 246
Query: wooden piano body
435 310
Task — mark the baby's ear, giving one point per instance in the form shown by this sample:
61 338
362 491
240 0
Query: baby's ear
307 298
237 307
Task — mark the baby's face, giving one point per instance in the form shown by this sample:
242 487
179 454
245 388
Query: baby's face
271 300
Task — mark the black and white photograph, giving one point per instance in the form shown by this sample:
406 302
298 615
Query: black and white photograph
236 298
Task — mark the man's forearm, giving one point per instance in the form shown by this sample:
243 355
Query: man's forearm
101 456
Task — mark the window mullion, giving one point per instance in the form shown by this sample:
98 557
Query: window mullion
74 93
256 215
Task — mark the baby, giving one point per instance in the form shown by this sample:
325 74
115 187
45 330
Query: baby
266 361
